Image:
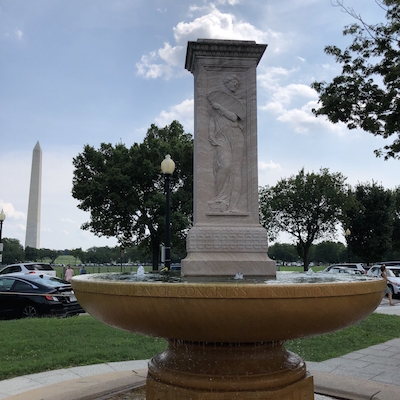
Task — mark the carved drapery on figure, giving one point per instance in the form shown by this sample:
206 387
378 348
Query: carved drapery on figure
226 134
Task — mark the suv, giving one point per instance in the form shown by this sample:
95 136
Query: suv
355 266
28 268
393 274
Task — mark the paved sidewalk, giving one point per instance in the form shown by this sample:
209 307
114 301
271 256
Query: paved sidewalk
370 374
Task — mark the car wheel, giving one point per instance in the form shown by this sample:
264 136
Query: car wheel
29 311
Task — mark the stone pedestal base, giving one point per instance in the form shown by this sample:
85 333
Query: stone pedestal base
204 371
228 250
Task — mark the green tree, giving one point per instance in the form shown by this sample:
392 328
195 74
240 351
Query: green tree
133 254
370 222
366 94
48 253
12 251
308 206
329 252
283 252
123 189
77 253
100 255
31 254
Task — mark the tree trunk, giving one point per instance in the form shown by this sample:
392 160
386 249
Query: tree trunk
305 260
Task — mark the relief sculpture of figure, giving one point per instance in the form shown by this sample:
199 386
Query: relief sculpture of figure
226 135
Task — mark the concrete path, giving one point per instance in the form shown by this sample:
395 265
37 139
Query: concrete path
370 374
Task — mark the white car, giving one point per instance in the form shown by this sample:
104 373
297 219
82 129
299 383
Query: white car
354 266
343 270
393 274
28 268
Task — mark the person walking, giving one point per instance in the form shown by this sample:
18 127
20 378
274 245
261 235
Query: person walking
69 273
387 291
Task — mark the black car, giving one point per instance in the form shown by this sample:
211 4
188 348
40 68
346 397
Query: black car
36 295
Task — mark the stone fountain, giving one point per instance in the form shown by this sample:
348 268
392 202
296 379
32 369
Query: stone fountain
226 336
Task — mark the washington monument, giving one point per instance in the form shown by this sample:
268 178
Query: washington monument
32 238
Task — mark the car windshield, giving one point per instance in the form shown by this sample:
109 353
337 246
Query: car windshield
390 273
50 281
394 272
38 267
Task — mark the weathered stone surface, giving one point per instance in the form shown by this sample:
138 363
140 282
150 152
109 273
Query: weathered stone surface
226 237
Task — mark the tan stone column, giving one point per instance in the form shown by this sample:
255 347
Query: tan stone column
226 237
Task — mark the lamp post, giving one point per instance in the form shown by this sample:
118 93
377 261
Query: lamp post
2 218
167 168
348 233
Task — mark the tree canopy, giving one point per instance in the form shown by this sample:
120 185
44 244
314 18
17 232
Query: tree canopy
366 94
370 222
122 188
308 206
13 251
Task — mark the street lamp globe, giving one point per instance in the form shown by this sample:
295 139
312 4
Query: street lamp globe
2 216
168 165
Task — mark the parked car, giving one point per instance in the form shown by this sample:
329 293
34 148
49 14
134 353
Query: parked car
36 295
389 263
354 266
393 274
344 270
28 268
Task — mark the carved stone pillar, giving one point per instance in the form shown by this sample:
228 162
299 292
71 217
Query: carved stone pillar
226 237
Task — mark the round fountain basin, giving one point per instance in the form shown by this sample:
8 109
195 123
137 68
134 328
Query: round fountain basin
227 311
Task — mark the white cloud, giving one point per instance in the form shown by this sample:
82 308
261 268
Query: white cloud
166 62
263 166
270 79
18 34
148 67
286 94
303 120
230 2
182 112
10 211
218 25
172 55
68 220
288 104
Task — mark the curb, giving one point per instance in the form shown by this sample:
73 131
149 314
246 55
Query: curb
87 388
343 387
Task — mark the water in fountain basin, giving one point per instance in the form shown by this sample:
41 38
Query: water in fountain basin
282 277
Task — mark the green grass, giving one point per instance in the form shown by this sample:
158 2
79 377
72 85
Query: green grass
377 328
42 344
35 345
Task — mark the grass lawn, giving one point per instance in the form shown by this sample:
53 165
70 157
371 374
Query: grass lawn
42 344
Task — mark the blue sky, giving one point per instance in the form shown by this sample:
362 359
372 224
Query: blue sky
76 72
